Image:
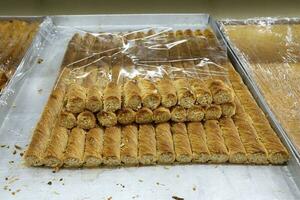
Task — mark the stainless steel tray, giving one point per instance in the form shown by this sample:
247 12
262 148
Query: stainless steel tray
244 69
153 182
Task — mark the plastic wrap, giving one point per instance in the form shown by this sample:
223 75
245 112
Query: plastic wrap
16 36
270 51
146 77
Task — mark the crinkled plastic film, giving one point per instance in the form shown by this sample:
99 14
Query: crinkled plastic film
140 79
16 35
270 49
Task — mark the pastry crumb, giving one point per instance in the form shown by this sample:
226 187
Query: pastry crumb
140 180
177 198
109 198
18 147
40 60
166 167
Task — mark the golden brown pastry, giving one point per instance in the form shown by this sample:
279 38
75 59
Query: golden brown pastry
107 118
126 116
256 152
185 95
181 142
67 119
149 93
277 153
213 112
111 146
86 120
164 144
94 99
112 97
161 114
236 150
215 142
75 149
178 114
147 144
129 145
144 116
192 44
71 51
42 131
202 93
197 138
221 93
76 98
167 92
93 148
53 156
195 113
132 95
228 109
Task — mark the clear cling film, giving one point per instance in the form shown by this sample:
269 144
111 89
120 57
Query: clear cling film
270 49
146 77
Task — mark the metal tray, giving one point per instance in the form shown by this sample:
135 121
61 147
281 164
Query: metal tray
244 65
153 182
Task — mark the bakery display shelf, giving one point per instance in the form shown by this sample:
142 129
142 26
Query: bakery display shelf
153 182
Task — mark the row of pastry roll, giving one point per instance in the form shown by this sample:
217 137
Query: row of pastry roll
125 116
254 125
88 48
135 94
212 141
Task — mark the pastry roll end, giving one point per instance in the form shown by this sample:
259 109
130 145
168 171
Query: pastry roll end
144 115
228 109
221 93
76 98
126 116
178 114
94 99
195 114
161 114
67 120
86 120
107 118
213 112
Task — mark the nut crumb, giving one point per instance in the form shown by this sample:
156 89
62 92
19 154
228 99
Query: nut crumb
14 152
177 176
40 60
3 145
194 188
109 198
11 162
166 167
40 91
21 154
140 180
18 190
61 179
6 178
13 193
177 198
18 147
49 183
